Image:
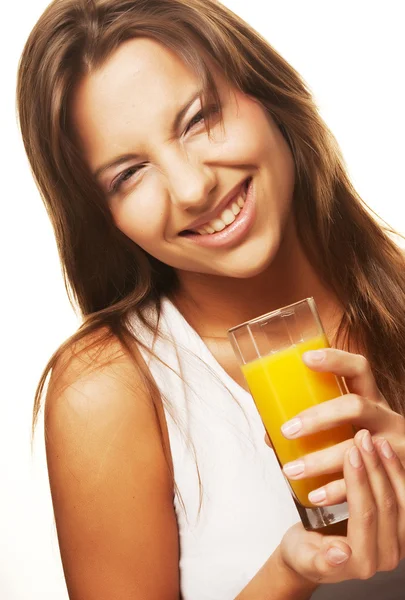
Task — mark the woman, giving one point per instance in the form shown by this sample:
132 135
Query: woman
148 126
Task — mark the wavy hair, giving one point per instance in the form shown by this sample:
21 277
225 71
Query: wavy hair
107 276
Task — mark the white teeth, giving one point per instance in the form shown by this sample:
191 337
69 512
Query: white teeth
226 217
206 229
235 209
218 224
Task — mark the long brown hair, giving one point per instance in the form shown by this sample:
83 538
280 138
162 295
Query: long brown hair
107 276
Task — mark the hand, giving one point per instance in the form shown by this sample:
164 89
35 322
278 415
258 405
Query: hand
363 407
375 484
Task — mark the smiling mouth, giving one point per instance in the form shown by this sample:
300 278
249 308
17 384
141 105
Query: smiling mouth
225 217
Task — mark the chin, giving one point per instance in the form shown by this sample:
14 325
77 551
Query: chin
252 262
252 266
245 272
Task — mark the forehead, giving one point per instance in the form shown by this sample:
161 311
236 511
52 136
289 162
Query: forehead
135 93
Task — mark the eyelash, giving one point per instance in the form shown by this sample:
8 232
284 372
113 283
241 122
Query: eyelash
116 184
195 120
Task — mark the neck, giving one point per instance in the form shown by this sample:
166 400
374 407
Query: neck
212 304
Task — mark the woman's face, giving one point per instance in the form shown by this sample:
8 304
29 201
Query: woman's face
170 174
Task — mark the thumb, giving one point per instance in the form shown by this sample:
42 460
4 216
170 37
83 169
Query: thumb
267 440
334 553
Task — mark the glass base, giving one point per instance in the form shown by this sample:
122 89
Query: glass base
322 516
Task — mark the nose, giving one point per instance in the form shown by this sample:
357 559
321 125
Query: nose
190 182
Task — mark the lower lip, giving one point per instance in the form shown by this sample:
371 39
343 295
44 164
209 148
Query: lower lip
233 233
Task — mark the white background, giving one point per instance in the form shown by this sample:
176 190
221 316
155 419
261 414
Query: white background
351 53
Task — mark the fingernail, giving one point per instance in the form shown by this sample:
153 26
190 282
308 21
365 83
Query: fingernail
336 555
295 468
291 427
355 458
367 442
317 496
314 356
386 449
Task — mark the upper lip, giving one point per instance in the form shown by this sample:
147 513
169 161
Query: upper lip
218 209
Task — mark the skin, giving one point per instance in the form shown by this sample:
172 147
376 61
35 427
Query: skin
129 106
185 175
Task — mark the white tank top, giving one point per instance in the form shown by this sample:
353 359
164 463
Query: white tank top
246 504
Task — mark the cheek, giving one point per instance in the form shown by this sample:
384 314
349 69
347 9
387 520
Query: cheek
250 137
138 221
243 147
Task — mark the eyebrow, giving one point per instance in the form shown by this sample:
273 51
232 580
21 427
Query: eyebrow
125 157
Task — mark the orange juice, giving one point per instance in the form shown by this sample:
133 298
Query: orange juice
282 386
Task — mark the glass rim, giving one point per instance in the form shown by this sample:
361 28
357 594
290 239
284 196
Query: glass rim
271 314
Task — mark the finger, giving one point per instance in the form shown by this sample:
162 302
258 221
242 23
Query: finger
394 468
317 557
335 491
322 462
362 523
355 368
330 494
385 500
334 553
396 474
267 440
349 409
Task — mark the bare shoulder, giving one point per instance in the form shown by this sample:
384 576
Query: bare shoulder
111 487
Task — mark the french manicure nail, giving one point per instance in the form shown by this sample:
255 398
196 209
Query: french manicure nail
295 468
317 496
314 356
291 427
386 449
355 458
367 442
336 555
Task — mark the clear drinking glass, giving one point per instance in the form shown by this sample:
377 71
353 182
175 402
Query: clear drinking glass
269 349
